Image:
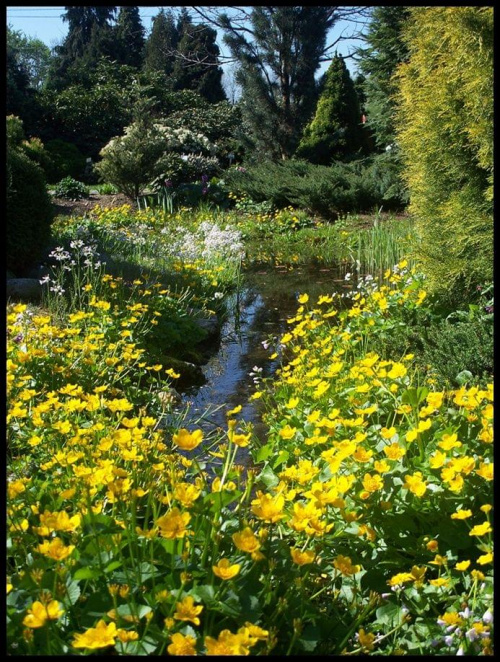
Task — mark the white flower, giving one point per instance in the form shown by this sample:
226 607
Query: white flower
488 617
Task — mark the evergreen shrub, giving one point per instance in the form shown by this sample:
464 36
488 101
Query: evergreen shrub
330 192
445 130
29 211
71 189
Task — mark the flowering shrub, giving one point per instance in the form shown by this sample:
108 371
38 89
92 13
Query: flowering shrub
151 153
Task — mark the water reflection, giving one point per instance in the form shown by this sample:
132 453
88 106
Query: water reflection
268 299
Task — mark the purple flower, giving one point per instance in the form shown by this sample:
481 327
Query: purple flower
204 178
204 190
168 183
488 309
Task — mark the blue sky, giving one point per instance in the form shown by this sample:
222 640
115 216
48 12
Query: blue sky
46 24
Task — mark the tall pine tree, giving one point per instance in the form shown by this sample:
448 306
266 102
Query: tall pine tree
130 37
335 130
161 44
196 67
279 53
89 38
385 50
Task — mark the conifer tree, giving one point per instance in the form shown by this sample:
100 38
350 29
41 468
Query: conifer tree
161 43
196 66
130 37
279 54
335 130
445 129
89 38
377 62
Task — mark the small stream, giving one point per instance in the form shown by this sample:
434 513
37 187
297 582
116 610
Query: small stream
267 299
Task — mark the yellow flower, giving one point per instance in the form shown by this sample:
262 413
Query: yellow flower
182 645
449 441
415 484
102 636
485 558
55 549
461 514
303 298
267 507
481 529
127 635
246 540
418 574
186 493
452 618
435 400
411 435
188 440
372 483
234 411
228 643
485 470
345 566
387 433
173 524
240 440
302 558
187 611
439 582
397 370
394 451
224 569
439 560
287 432
400 579
57 521
366 639
38 614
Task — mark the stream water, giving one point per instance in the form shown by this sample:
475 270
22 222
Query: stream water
267 299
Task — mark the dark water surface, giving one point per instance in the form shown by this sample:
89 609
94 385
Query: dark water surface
268 298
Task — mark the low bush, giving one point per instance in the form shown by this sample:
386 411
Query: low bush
71 189
326 191
29 211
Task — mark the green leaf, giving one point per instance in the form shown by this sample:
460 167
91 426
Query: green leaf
309 638
146 646
414 396
263 453
282 457
389 614
87 573
113 566
72 593
268 477
464 377
204 593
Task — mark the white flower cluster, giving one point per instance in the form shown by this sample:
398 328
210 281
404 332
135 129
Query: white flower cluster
184 140
209 242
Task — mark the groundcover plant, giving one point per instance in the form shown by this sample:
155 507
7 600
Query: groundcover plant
362 524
